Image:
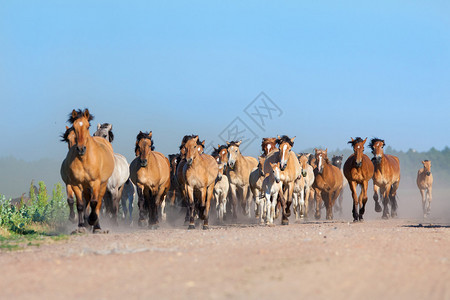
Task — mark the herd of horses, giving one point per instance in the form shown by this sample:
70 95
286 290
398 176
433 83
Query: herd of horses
98 179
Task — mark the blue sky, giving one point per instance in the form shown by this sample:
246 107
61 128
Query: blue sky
335 70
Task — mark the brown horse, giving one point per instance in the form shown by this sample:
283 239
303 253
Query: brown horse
386 178
88 165
70 138
150 172
358 169
200 172
327 183
238 172
425 185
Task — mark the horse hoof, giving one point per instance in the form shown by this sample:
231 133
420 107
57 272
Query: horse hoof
394 215
79 230
191 226
377 207
100 231
385 217
153 226
317 217
205 227
285 222
92 219
141 223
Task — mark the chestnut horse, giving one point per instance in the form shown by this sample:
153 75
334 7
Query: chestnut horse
88 165
425 185
118 178
70 139
327 183
150 173
238 172
358 169
200 172
386 178
290 171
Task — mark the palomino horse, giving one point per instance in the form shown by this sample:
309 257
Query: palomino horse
290 171
358 169
425 185
119 176
150 172
303 187
70 139
336 161
221 192
200 172
268 145
327 183
238 172
273 187
88 165
386 178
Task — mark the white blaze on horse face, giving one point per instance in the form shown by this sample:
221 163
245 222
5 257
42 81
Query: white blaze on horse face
81 123
268 147
283 160
320 163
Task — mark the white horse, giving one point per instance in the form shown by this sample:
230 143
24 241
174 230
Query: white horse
119 176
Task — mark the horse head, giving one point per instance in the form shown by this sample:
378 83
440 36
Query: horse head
358 149
377 146
233 153
303 159
193 148
276 171
321 158
69 137
285 145
336 160
144 145
220 173
427 166
268 145
81 123
105 131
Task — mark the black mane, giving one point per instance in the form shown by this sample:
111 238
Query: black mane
141 136
65 135
355 141
216 151
79 115
373 141
284 139
187 138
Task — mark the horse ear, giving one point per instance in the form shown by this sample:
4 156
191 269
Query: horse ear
315 150
67 127
292 140
278 137
196 138
150 134
218 146
308 155
109 127
98 126
352 139
326 151
228 143
364 141
203 143
74 114
239 143
86 113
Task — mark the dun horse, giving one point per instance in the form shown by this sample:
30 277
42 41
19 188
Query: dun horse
150 172
386 178
119 176
88 165
425 185
200 172
358 169
238 172
303 187
327 183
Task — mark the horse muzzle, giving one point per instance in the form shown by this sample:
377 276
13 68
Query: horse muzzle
144 163
81 150
231 164
377 159
428 173
304 173
189 161
277 180
283 167
358 164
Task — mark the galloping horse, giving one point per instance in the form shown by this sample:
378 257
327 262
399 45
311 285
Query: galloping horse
221 189
88 165
336 161
425 185
200 172
238 172
150 172
272 188
327 183
358 169
119 176
303 187
70 139
174 192
386 177
290 171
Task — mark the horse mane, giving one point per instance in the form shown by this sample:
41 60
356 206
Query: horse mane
355 141
187 138
110 133
140 136
284 139
71 119
373 141
65 135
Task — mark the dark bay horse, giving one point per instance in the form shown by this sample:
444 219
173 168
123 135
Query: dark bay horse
150 172
386 178
358 169
200 173
88 165
327 183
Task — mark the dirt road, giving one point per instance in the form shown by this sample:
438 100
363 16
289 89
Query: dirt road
376 259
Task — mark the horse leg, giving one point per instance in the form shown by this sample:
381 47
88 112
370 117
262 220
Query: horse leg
429 198
98 191
141 204
341 198
363 200
328 200
70 202
114 206
191 207
307 193
385 194
256 194
284 207
423 194
209 191
123 202
80 210
162 209
376 189
295 205
318 196
233 189
392 195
